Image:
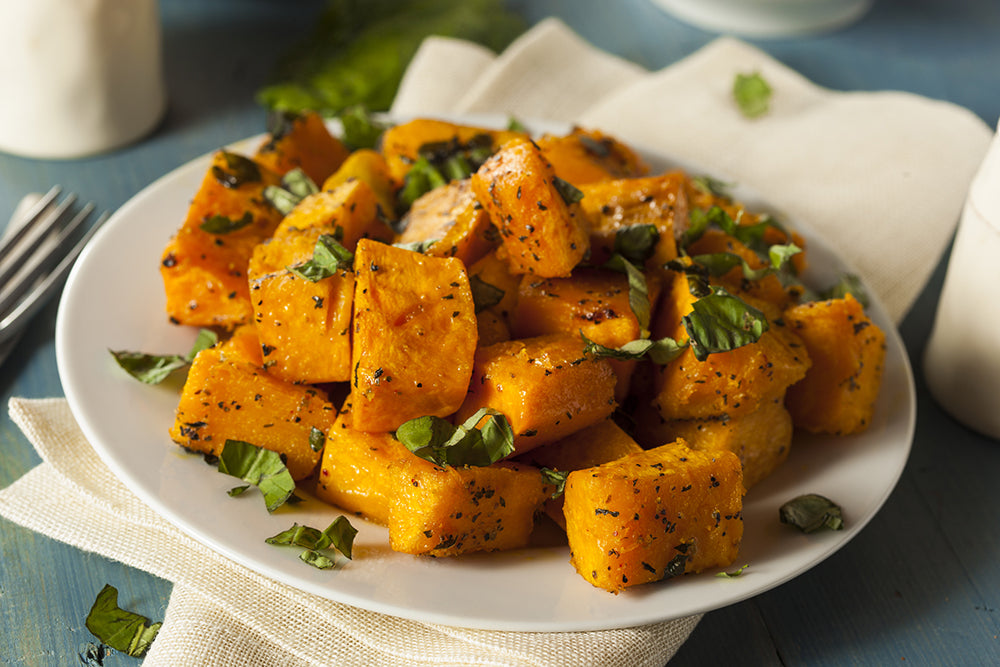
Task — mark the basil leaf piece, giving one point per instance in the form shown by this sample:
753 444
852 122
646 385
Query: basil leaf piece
279 125
420 179
155 368
220 224
338 535
712 186
295 186
515 125
316 559
811 512
721 322
661 351
258 467
638 291
721 263
328 258
848 284
484 295
556 478
734 573
438 441
316 439
239 170
569 192
361 130
417 246
752 94
122 630
637 243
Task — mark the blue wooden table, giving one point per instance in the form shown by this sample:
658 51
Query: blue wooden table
920 585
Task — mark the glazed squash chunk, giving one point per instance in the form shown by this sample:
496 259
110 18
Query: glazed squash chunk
447 511
732 383
229 400
451 220
545 386
586 156
654 515
838 393
304 327
204 265
762 438
541 233
614 205
355 472
369 167
349 209
302 142
414 336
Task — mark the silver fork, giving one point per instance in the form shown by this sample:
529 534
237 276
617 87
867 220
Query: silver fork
35 258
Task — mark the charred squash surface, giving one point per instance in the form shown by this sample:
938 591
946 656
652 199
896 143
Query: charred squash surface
303 142
414 336
451 221
654 515
229 400
587 156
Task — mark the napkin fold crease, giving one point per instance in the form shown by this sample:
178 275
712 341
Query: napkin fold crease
881 176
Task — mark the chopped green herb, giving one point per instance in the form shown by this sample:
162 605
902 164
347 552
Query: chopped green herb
638 291
661 351
338 535
712 186
437 440
637 243
420 179
122 630
221 224
155 368
569 192
239 170
295 186
734 573
515 125
258 467
484 295
848 284
556 478
417 246
811 512
360 129
720 322
316 439
328 258
752 94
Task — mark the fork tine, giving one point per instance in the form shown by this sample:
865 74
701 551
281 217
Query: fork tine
16 311
39 227
31 219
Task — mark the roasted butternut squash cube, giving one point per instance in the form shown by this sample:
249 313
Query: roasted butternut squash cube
243 346
545 386
304 327
448 511
450 216
586 156
303 142
356 472
204 265
229 400
732 383
762 439
614 205
367 166
594 302
653 515
838 394
350 210
414 336
603 442
540 233
494 273
401 143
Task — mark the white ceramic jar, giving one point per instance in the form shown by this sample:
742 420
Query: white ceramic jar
78 77
962 359
767 18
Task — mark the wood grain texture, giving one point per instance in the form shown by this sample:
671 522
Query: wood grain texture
920 585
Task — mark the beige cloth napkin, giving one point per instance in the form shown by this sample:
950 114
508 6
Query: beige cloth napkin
882 175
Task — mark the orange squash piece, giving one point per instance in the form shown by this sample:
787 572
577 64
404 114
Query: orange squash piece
545 386
304 143
204 273
414 336
653 515
586 156
839 392
349 211
448 511
540 233
452 218
229 400
369 167
304 327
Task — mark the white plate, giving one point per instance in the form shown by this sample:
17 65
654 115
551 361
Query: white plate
114 300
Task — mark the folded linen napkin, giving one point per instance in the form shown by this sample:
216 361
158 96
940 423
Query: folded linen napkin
845 162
